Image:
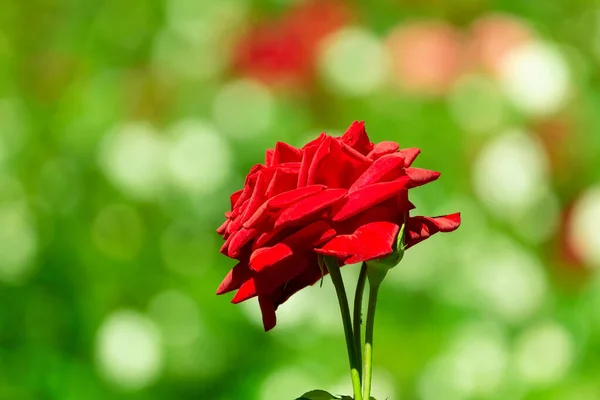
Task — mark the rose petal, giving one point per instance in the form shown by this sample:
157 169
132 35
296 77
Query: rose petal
357 138
221 229
421 228
267 309
369 241
304 239
409 154
309 277
239 239
315 142
271 237
384 211
286 199
380 169
419 176
261 215
280 201
242 197
269 157
284 179
271 278
245 292
355 154
235 197
251 177
382 148
257 198
225 247
308 207
309 151
235 278
285 153
370 196
336 165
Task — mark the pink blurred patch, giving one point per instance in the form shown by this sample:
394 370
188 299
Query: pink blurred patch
492 37
427 57
567 254
558 135
283 52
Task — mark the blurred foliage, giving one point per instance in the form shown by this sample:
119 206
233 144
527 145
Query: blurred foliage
125 125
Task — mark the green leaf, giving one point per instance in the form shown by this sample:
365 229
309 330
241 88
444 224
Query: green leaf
317 395
323 395
350 398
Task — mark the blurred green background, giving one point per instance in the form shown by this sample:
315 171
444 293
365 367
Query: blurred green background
125 125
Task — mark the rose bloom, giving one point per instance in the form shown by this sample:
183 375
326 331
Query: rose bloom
343 197
283 52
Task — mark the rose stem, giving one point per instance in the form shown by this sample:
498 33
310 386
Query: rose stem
358 296
368 359
336 278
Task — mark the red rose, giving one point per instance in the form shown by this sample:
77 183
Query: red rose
284 51
343 197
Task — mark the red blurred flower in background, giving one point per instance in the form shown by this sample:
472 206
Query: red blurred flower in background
343 197
427 57
284 51
492 38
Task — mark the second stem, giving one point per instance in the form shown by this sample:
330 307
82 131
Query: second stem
336 277
368 353
357 317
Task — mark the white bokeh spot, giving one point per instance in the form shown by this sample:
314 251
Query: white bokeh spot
244 109
354 62
536 78
18 242
199 158
511 173
583 231
178 318
198 39
128 350
543 354
133 157
503 278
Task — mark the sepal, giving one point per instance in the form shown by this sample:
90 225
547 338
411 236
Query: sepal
378 268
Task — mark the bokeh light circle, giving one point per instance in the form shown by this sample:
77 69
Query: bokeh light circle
511 173
544 354
133 157
128 350
199 158
244 109
354 62
583 233
177 316
18 242
536 77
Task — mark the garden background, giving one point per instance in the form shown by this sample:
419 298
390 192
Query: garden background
125 125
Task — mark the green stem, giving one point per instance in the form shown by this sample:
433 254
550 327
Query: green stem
336 278
357 317
368 359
